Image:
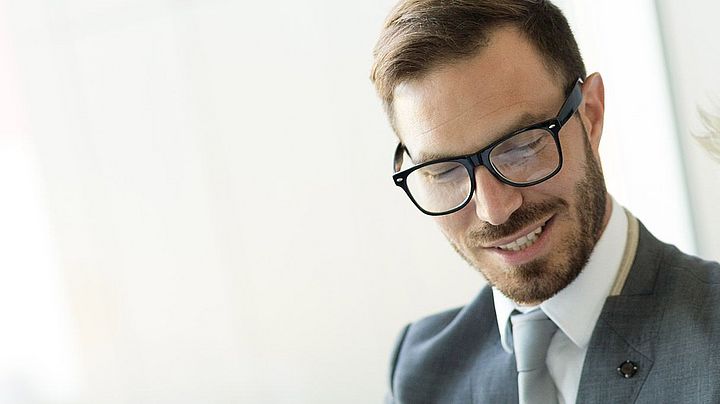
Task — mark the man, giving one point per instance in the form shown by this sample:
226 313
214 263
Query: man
499 128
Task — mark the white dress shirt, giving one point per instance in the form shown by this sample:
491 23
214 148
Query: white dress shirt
574 309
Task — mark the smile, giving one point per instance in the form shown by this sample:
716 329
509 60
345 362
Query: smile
524 241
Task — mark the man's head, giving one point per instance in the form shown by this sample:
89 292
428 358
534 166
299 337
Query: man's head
421 35
455 76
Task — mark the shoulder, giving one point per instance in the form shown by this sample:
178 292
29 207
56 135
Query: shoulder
454 322
432 325
677 270
440 348
418 332
660 268
691 287
441 336
422 330
695 268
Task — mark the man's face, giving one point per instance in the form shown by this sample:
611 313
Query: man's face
460 108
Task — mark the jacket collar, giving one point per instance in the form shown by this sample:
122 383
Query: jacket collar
626 330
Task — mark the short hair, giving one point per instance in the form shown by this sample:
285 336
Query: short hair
420 35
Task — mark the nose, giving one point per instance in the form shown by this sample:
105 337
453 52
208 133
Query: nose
494 201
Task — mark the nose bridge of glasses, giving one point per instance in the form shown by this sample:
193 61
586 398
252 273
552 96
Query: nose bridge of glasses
481 159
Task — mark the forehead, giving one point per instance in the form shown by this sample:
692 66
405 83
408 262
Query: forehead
458 108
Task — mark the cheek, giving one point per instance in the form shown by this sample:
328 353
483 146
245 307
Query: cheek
456 225
573 142
573 166
562 186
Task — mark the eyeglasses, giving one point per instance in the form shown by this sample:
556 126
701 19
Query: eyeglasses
523 158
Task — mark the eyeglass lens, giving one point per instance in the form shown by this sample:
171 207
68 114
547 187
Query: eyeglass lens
523 158
526 157
439 187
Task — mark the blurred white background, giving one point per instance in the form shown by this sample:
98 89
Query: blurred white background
196 199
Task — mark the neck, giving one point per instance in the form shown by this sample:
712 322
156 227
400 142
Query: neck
606 216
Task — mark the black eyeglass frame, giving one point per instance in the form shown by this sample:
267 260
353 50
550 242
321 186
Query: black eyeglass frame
482 157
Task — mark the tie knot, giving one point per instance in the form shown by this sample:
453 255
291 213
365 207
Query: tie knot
531 333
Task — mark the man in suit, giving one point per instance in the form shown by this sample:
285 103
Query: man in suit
499 128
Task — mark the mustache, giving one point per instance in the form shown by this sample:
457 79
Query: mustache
524 216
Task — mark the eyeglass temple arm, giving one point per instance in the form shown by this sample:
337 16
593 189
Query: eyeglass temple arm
572 103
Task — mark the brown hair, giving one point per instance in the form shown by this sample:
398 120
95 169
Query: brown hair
420 35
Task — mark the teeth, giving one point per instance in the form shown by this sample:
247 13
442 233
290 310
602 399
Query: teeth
523 242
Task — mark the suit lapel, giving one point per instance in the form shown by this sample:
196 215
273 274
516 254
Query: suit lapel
626 331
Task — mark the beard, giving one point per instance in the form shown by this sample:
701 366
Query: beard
539 280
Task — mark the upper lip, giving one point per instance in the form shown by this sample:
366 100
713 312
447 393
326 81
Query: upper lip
520 233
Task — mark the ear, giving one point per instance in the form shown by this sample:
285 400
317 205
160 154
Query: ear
592 110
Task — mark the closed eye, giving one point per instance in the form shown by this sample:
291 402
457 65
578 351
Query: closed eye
444 172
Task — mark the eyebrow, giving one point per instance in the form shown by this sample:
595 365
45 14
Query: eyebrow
523 121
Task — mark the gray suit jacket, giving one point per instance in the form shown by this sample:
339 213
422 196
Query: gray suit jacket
666 321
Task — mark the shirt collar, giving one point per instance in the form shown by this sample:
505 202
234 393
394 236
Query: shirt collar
576 308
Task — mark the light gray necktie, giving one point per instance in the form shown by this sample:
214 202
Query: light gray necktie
531 334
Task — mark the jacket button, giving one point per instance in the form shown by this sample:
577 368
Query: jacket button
627 369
